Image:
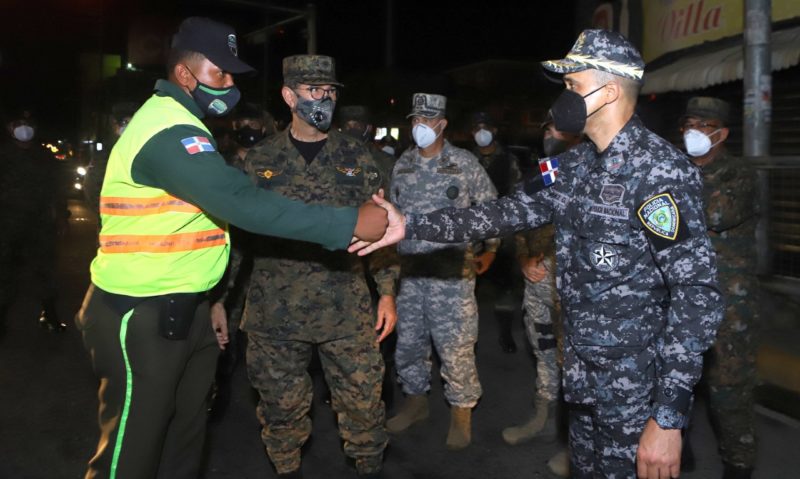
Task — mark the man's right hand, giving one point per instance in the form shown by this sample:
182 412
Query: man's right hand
371 223
395 232
534 269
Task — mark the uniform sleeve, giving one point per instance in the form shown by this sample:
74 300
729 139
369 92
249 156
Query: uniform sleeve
204 180
481 190
687 263
492 219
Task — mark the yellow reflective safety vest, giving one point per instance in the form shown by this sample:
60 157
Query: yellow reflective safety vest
152 243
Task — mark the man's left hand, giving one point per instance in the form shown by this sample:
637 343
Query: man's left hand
484 261
387 316
219 322
659 454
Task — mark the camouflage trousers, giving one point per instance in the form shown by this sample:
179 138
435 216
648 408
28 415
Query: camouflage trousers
615 389
443 312
353 369
731 374
540 304
604 448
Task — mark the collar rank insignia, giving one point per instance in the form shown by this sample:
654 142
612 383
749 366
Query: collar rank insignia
662 221
348 171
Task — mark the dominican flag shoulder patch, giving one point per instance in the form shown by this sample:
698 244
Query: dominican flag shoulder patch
549 170
197 144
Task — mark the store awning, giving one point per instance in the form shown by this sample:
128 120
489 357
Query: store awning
711 68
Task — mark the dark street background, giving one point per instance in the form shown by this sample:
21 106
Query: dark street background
48 407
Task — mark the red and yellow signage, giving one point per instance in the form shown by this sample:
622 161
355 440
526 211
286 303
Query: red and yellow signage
671 25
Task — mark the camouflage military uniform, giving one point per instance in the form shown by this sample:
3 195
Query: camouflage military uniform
437 286
302 295
729 197
542 308
637 278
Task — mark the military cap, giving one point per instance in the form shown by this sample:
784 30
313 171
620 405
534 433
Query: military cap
482 117
309 70
358 113
601 50
215 40
428 105
708 108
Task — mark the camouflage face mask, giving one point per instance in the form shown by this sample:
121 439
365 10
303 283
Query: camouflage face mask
318 113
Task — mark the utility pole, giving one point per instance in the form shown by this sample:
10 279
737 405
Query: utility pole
757 109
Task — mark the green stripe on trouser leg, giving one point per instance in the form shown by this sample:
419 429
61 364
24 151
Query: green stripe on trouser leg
126 407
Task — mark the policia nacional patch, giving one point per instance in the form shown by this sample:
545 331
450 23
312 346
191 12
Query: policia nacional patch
662 221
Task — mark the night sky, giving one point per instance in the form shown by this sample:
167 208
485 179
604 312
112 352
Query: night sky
41 41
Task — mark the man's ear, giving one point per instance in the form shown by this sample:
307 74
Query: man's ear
289 97
183 76
723 134
444 123
612 91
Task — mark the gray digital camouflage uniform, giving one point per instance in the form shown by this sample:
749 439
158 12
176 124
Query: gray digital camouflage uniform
436 301
542 309
729 194
637 277
302 295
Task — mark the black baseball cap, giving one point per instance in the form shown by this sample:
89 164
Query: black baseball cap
215 40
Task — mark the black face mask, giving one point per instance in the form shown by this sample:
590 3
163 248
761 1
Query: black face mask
247 136
358 134
569 111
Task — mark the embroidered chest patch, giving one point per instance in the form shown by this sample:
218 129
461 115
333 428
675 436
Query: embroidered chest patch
267 174
612 193
604 257
348 171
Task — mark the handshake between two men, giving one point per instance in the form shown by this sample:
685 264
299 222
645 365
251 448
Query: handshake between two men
379 224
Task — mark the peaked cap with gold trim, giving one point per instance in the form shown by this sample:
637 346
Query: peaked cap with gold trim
602 50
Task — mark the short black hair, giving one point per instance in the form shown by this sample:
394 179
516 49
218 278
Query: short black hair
176 56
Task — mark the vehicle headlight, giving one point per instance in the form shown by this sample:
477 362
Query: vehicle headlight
82 171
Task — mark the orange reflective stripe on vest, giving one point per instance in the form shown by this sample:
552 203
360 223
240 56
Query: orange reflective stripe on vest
118 206
162 243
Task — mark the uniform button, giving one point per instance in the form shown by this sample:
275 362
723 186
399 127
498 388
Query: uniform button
170 333
668 392
171 319
171 301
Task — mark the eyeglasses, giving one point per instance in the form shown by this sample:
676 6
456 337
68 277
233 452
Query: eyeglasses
318 93
696 125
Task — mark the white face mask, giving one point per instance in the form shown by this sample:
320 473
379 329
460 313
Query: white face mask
698 143
23 133
424 136
388 149
483 137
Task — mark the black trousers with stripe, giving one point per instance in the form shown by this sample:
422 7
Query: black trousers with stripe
152 395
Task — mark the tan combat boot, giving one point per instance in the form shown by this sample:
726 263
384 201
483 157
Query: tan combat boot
541 426
414 409
460 434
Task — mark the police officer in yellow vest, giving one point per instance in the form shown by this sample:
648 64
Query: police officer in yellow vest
165 204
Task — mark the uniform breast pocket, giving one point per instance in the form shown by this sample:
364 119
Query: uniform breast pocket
605 248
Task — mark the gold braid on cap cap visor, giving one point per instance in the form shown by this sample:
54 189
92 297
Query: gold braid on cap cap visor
622 69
